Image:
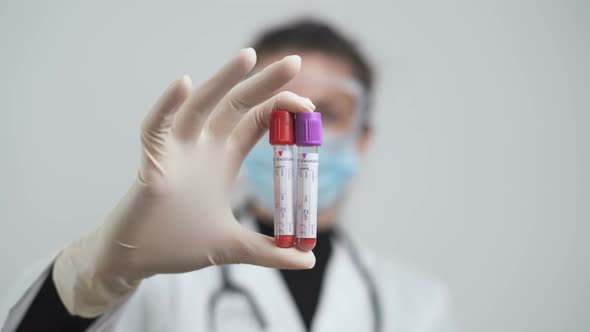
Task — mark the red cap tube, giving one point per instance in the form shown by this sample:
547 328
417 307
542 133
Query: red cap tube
282 137
282 128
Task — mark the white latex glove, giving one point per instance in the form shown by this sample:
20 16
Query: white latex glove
176 217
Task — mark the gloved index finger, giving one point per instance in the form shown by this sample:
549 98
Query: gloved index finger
255 123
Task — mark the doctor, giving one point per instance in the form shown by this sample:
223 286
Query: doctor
165 258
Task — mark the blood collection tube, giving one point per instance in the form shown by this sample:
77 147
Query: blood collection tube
308 136
282 138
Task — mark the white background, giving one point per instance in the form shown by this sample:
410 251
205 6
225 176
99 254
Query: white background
479 170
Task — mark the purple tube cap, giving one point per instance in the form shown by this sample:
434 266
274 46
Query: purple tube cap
308 129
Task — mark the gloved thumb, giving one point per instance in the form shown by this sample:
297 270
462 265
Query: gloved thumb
259 249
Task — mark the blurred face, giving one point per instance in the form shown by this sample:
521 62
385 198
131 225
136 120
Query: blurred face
331 85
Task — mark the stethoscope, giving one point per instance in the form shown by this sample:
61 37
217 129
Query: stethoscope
228 286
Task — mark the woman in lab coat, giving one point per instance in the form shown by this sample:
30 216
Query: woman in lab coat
130 274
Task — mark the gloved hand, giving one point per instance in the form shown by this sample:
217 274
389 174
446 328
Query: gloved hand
176 217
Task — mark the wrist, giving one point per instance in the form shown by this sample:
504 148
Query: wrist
83 289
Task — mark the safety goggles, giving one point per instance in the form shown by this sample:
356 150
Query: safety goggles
342 102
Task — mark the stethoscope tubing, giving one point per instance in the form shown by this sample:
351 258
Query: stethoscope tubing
227 285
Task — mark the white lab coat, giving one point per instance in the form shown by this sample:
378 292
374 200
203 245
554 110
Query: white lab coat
409 300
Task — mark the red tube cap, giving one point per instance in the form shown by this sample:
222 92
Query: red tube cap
282 128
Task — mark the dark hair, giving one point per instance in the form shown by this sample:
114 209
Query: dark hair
313 35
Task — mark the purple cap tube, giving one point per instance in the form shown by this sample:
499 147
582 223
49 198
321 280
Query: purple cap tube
308 129
308 136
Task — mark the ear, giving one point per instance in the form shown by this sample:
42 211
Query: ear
364 140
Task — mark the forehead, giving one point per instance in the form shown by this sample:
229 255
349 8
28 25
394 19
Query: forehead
313 64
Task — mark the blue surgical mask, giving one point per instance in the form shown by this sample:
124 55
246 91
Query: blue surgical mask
338 163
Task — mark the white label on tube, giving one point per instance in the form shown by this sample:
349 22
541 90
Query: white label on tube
307 195
283 191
